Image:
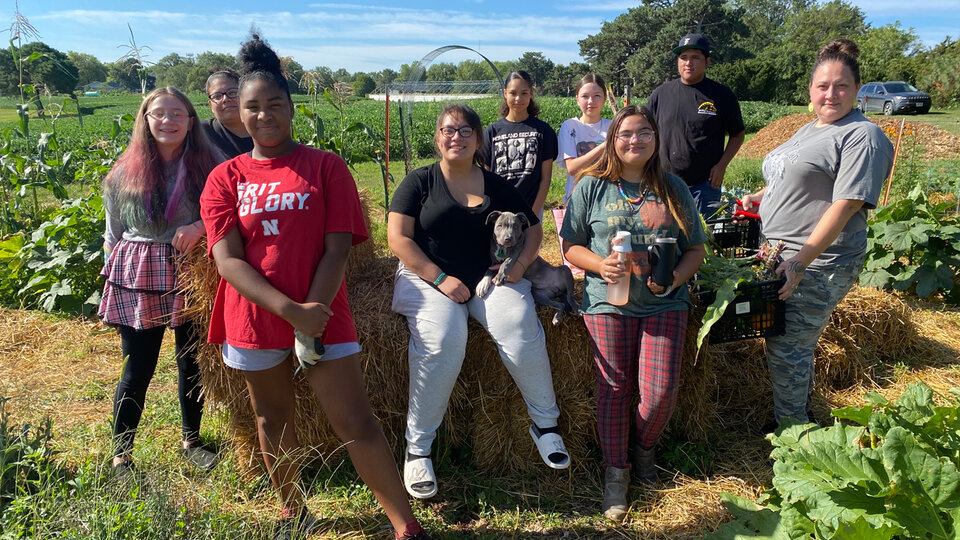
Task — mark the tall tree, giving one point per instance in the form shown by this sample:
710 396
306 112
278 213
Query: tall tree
363 84
802 35
474 70
890 52
538 66
89 68
564 78
441 71
636 46
124 71
940 74
52 68
294 72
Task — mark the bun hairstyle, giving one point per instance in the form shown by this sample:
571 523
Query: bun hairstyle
839 50
221 74
610 168
532 109
588 79
259 62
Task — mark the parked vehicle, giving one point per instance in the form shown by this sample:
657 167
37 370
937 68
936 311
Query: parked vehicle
892 97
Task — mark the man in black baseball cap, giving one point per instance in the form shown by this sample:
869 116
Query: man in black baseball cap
695 114
693 41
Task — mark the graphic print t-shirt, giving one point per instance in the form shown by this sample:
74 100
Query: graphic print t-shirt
517 151
693 121
576 139
282 208
596 211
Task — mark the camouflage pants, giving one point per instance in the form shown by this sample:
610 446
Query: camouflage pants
790 356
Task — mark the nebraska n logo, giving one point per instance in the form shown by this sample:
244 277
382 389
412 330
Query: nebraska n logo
270 227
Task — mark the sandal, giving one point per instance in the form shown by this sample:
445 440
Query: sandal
200 456
551 448
418 476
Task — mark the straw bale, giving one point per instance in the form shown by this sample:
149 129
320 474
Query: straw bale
727 385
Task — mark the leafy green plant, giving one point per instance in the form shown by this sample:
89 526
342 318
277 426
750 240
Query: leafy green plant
913 244
56 267
24 455
891 474
338 97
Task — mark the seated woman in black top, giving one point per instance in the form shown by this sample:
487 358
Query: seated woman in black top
437 227
225 129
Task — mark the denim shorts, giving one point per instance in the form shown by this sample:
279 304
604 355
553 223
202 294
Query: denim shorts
261 359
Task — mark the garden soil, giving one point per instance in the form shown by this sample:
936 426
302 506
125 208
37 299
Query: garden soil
936 143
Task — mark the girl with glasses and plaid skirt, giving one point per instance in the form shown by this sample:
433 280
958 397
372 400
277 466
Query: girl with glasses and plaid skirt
151 198
640 343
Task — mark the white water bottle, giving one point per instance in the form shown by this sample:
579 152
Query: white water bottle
618 293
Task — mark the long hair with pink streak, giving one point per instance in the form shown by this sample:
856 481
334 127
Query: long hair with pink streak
138 181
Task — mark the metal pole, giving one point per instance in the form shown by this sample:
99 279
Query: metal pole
386 135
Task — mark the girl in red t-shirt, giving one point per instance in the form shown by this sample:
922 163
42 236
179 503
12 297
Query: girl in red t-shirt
281 221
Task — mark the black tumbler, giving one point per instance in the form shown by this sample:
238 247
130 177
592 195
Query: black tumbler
663 256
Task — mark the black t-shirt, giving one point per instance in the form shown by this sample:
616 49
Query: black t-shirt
517 150
693 120
455 237
224 139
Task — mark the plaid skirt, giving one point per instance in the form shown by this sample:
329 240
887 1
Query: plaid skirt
141 289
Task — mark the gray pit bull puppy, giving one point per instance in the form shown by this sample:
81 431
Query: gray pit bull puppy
552 286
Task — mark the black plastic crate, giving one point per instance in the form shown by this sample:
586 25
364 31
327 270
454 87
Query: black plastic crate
744 235
755 312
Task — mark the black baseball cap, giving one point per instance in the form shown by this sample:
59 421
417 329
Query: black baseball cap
693 41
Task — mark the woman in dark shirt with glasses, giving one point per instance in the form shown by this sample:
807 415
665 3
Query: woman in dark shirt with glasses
225 130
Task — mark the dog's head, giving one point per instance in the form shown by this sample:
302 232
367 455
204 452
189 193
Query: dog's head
508 228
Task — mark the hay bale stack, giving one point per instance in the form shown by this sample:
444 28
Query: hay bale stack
868 327
726 384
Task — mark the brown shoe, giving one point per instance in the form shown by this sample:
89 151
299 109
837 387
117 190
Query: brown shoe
644 462
615 484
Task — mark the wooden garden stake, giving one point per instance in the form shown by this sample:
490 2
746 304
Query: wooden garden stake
896 152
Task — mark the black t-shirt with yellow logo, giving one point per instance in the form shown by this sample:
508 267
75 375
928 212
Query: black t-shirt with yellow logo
693 120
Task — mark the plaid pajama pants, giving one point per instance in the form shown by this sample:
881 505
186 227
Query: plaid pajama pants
630 353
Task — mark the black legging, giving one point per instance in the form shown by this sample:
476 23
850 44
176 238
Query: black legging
141 350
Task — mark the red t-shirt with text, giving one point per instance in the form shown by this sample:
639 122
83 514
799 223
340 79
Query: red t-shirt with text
282 208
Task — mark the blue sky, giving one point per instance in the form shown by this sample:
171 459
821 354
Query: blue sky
373 35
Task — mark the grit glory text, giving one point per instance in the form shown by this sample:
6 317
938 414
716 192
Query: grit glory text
262 198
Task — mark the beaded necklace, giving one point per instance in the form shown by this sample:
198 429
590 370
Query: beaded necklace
638 201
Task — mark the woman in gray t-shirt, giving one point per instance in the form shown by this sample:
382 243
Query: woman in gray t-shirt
819 186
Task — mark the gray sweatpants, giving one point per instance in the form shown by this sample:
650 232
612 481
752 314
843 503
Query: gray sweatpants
438 342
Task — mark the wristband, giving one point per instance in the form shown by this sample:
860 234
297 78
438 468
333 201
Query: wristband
436 282
664 293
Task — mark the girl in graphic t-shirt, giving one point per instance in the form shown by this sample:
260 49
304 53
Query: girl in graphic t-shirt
581 140
281 221
521 147
639 343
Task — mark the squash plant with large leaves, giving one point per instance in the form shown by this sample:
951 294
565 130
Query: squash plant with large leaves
913 244
888 472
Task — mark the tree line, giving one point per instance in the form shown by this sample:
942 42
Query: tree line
762 49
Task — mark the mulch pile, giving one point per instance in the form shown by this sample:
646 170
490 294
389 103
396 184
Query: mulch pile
934 142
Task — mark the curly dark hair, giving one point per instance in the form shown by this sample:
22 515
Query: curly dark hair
259 62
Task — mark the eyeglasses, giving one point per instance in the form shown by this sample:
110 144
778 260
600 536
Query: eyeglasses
175 115
465 131
218 96
644 136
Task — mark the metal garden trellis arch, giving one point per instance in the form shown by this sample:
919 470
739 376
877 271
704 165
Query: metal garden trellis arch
413 82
